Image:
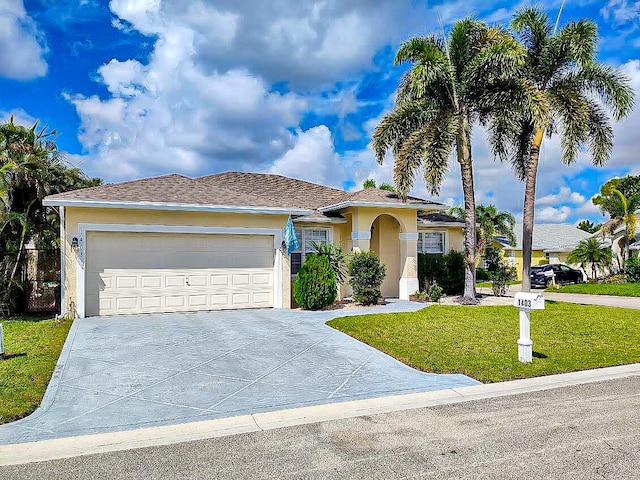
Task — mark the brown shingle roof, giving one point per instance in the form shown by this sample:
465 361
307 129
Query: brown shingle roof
439 217
276 189
229 189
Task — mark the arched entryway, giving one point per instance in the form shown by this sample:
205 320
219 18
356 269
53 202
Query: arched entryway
385 241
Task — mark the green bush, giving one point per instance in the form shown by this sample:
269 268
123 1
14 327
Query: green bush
315 286
482 275
337 258
435 292
445 270
632 269
501 277
366 274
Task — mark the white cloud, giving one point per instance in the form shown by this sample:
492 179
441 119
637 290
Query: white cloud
20 117
553 215
171 115
311 158
564 195
22 46
621 12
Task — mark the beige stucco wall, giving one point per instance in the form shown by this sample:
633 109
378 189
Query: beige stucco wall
456 239
75 215
455 236
385 242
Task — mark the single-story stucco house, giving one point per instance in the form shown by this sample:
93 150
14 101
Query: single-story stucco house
552 243
615 239
174 243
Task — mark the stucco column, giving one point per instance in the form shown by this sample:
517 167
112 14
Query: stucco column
409 262
361 240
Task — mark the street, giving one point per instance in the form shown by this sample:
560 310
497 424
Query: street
587 431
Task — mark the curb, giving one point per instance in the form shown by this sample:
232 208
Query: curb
55 449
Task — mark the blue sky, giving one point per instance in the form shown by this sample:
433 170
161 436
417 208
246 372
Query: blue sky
138 88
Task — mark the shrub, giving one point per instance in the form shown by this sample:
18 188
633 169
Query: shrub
315 286
491 257
366 275
445 270
482 274
632 269
337 258
435 292
501 277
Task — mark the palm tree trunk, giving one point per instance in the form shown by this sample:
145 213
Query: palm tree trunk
466 168
14 271
528 209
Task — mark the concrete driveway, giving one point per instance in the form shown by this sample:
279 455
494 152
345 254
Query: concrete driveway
119 373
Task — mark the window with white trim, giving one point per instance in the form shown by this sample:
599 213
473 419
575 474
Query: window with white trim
432 242
306 236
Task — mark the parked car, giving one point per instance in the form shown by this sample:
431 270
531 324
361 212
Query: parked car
542 275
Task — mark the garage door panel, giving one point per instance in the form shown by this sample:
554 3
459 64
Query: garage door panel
152 273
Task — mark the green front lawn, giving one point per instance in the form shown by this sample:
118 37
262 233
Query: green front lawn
481 341
32 345
620 289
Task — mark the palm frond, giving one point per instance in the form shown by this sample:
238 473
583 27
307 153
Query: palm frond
429 146
609 84
600 134
581 40
398 124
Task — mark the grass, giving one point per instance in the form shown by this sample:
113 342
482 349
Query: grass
619 289
488 284
32 348
481 341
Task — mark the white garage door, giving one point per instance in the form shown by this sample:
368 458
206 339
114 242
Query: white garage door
159 272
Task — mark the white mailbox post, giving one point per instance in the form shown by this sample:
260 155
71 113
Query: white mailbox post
526 302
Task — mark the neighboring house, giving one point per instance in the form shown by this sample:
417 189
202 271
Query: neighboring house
174 243
552 243
615 240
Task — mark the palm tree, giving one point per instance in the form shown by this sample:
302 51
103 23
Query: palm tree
621 208
591 251
492 222
369 183
452 84
588 226
31 168
581 95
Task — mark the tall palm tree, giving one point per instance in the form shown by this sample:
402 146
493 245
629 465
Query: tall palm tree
591 251
582 95
452 84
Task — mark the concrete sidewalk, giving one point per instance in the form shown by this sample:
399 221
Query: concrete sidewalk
579 298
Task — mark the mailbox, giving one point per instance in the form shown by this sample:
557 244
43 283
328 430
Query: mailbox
529 301
526 302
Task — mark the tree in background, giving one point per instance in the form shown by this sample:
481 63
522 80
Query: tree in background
31 167
620 198
588 226
371 183
591 251
581 94
491 223
452 84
